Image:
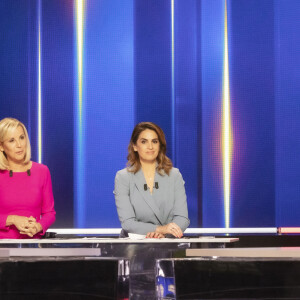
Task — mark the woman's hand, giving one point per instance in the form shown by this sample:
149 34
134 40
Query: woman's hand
154 235
171 228
33 229
25 225
21 222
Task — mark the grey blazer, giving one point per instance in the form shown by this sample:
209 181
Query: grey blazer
140 212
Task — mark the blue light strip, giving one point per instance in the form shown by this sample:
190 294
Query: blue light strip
173 83
29 124
79 179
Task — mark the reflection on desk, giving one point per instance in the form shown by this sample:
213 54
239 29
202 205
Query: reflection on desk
142 254
228 278
64 278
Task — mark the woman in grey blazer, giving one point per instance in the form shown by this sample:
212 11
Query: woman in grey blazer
149 193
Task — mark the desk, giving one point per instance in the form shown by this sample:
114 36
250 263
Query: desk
142 254
229 278
102 240
266 252
237 273
63 278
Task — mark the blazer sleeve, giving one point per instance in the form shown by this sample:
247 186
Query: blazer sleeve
125 209
180 204
47 210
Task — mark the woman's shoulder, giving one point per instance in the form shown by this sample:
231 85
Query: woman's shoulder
123 176
174 172
175 175
124 173
39 167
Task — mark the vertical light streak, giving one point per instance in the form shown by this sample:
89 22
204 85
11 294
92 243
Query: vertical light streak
79 27
39 85
173 83
29 72
79 134
227 142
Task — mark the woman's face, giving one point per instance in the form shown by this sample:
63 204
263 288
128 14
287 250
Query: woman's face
147 146
14 145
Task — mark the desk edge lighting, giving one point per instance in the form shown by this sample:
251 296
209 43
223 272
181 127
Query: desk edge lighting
116 231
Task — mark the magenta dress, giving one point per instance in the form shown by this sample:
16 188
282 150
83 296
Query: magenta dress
27 196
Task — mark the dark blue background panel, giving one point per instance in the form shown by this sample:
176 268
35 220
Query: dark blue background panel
15 52
287 112
57 103
109 105
152 65
160 61
187 100
253 111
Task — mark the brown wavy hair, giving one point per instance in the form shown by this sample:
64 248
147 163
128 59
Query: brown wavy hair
164 164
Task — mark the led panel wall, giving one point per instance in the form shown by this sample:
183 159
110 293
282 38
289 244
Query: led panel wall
220 77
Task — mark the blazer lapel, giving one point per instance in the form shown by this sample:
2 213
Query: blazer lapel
140 181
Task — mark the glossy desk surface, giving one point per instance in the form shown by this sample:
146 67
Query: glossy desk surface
275 252
103 240
141 253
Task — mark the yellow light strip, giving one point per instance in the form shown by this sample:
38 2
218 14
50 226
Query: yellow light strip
39 89
80 28
227 140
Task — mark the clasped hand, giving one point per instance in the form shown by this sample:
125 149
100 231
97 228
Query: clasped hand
171 228
154 235
27 226
161 231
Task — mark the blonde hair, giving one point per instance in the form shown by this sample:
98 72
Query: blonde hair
164 164
8 125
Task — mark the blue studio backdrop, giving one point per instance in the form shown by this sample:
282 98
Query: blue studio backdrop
222 78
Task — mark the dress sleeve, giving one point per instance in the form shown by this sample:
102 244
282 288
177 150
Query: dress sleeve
3 218
125 209
47 210
180 204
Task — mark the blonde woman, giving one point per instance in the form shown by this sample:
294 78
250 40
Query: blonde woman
26 197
